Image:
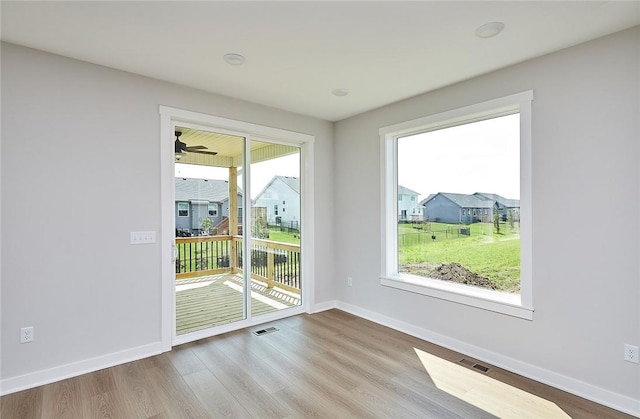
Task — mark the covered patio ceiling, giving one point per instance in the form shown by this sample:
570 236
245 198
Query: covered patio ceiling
229 148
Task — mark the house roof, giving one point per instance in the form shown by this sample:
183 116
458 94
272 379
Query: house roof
502 201
212 190
406 191
464 200
424 201
290 181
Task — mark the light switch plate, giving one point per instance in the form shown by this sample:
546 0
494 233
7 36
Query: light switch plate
143 237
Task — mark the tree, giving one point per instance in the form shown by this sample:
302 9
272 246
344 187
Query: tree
496 221
207 225
260 228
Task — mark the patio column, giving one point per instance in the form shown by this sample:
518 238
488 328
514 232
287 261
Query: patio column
233 215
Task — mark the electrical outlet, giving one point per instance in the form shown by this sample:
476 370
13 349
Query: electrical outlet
26 334
631 353
349 281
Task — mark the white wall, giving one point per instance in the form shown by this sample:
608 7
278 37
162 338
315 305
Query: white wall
78 136
585 266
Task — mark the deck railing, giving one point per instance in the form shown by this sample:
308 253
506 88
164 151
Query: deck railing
274 263
202 255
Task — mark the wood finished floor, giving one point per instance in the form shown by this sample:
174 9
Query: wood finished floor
327 365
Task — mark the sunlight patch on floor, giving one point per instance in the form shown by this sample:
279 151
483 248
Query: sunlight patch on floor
486 393
261 298
284 295
183 287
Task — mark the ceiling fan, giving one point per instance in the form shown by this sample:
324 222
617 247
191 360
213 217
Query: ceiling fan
181 147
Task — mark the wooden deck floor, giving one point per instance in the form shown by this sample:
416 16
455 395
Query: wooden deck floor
215 300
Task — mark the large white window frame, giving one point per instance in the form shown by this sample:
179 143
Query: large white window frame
510 304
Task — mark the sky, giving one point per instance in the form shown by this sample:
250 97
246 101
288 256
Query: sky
478 157
261 173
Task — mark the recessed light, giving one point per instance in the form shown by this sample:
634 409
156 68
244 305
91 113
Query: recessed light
234 59
489 30
340 92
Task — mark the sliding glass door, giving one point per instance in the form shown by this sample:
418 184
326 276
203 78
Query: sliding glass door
220 279
275 227
210 285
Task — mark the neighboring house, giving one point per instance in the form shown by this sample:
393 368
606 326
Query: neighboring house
464 208
281 198
408 208
504 205
197 199
416 214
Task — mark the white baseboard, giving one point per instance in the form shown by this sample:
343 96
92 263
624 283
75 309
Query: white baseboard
588 391
579 388
51 375
38 378
324 306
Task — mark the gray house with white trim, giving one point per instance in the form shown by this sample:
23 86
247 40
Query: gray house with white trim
504 206
464 208
197 199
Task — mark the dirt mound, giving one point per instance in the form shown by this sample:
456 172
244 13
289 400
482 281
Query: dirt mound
449 272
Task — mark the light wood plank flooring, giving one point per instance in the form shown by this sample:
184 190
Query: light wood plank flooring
328 365
214 300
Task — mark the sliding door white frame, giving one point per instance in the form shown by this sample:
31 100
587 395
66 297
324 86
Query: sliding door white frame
169 118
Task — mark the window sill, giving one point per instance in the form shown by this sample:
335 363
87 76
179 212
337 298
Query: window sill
499 302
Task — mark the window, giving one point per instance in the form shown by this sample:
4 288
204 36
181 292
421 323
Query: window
275 209
413 198
213 210
183 209
480 158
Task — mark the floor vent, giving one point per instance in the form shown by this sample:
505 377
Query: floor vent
467 363
473 365
265 331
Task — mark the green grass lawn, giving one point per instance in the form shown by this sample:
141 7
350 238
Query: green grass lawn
495 256
282 236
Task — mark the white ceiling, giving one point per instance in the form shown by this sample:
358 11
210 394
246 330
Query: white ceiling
298 52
